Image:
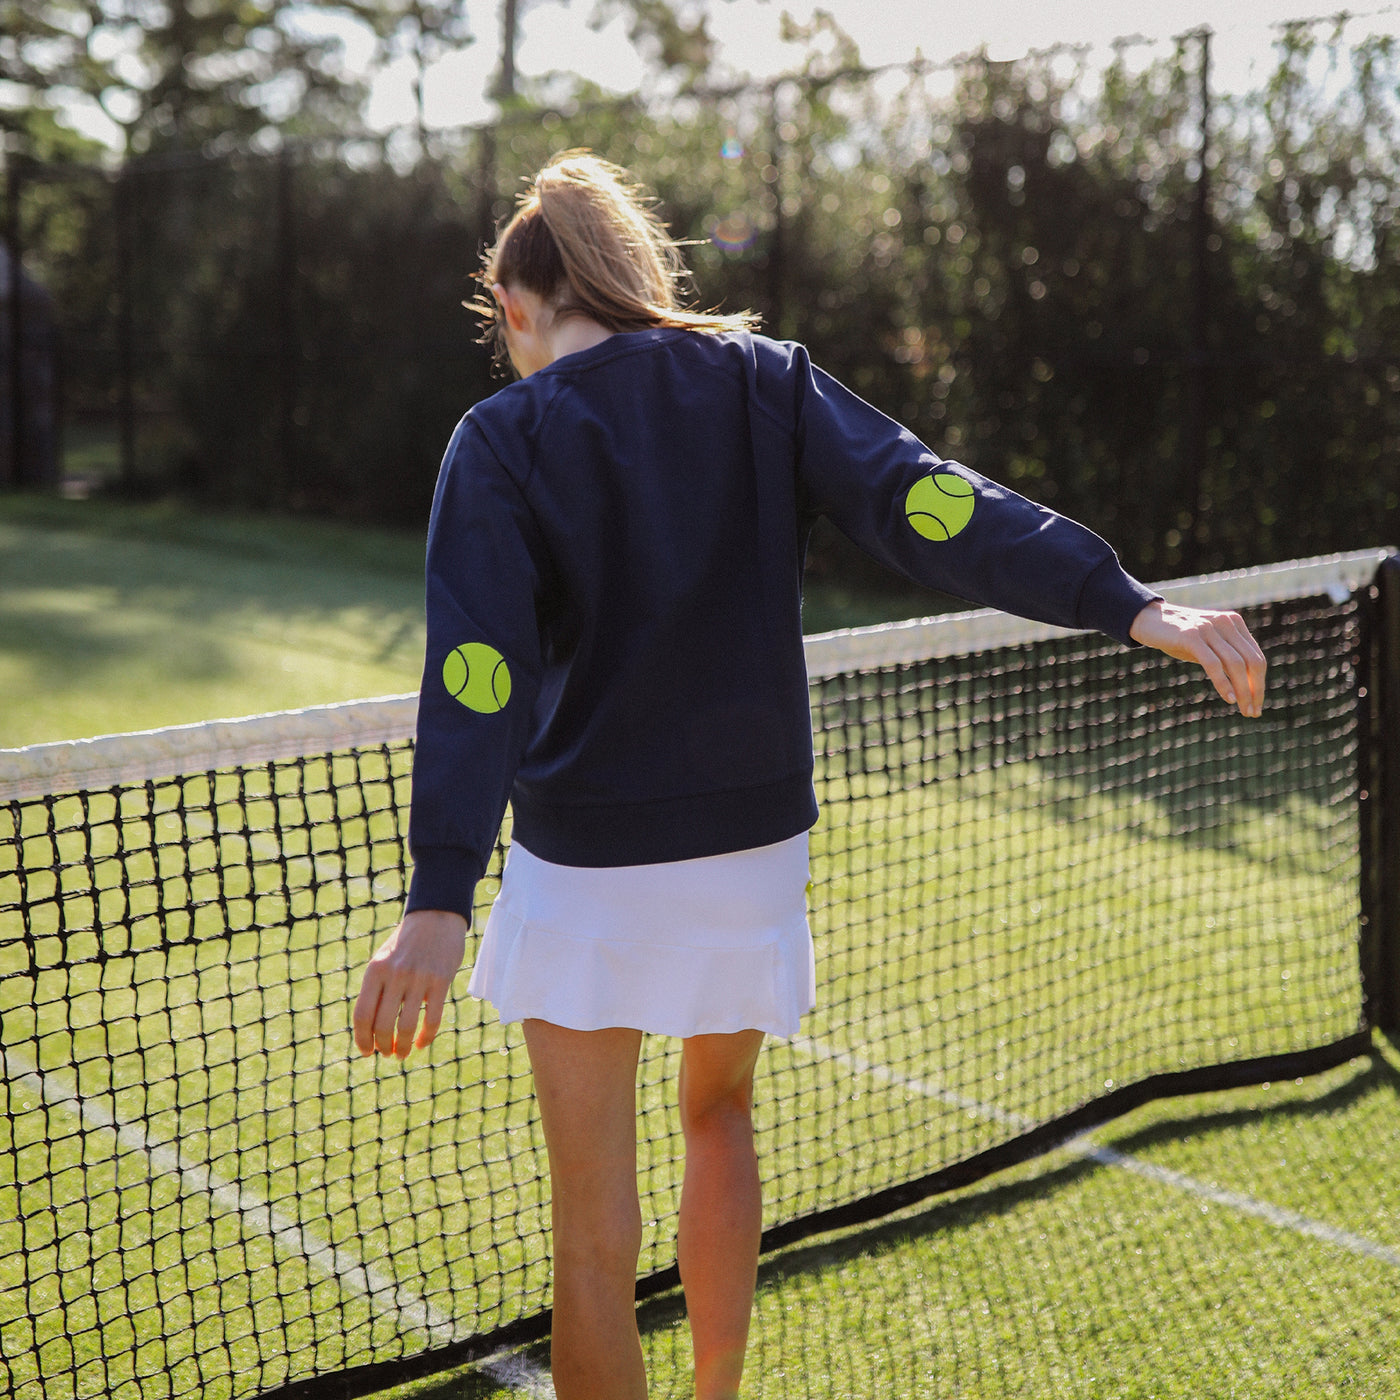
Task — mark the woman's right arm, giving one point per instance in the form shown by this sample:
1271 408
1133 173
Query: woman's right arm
481 675
481 671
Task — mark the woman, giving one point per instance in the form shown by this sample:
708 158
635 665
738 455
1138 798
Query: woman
615 648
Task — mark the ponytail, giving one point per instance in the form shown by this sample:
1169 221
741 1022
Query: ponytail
588 243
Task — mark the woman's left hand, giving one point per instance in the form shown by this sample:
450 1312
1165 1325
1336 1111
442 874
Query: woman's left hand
1218 642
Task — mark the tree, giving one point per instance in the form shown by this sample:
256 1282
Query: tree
175 73
425 30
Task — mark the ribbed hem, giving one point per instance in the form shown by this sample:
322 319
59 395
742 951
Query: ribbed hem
1111 599
444 877
682 828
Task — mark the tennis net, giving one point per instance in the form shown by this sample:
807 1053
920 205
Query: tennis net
1053 879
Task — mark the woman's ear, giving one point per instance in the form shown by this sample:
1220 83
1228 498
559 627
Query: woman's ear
516 314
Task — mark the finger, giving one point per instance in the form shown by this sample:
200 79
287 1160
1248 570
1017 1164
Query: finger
1247 680
1258 673
390 1001
407 1023
1209 654
1256 663
1236 675
366 1008
1251 688
1244 662
1211 657
432 1017
1220 675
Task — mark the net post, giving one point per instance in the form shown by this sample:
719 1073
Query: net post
1379 695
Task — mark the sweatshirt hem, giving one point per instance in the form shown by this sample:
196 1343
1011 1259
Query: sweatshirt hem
667 829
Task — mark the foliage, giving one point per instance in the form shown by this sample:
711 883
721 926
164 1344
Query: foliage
1009 258
173 72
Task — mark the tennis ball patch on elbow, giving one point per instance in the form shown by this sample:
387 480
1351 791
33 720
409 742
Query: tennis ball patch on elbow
478 676
939 505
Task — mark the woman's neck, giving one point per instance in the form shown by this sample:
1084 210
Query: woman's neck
573 333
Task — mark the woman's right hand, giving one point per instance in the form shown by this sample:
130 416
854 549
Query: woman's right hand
411 970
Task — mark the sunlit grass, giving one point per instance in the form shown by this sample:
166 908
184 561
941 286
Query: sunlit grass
119 617
1000 937
1067 1277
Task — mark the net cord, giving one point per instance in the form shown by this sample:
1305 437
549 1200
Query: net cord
91 765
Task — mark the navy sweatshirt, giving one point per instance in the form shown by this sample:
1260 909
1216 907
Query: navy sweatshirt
614 597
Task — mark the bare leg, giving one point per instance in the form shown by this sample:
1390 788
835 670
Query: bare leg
586 1083
721 1206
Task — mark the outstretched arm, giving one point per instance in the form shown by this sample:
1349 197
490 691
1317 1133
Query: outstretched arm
1218 642
942 524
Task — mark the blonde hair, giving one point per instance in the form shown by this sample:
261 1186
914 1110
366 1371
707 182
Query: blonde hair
586 240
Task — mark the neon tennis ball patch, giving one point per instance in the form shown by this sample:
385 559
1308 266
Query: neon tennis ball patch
478 676
939 505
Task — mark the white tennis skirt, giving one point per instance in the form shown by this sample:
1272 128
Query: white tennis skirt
691 947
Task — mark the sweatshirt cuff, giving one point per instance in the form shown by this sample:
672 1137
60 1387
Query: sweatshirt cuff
444 877
1111 599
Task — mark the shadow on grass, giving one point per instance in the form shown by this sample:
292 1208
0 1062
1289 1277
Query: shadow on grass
240 536
1375 1075
172 588
72 648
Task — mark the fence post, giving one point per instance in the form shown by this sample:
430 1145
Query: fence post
286 487
1380 800
15 291
777 243
1196 425
126 329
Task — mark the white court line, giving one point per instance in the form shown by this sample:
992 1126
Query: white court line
1246 1205
518 1373
1278 1216
370 1281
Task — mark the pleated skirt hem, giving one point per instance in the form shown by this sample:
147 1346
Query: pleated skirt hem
704 947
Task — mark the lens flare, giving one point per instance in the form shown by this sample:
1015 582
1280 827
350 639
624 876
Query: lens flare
735 233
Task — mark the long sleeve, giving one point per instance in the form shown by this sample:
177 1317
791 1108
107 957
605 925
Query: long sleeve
948 527
481 674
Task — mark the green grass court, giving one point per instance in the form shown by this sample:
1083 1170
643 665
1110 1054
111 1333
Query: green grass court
116 617
988 943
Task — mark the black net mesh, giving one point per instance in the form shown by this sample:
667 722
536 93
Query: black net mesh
1044 876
